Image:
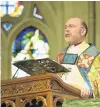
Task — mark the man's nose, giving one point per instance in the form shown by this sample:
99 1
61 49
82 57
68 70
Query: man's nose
67 30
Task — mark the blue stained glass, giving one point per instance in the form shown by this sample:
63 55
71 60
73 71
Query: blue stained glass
31 41
43 37
22 39
6 6
11 8
7 26
29 44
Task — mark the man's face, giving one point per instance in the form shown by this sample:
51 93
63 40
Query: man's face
73 31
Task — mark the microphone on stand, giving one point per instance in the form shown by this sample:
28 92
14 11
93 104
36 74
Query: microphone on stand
15 73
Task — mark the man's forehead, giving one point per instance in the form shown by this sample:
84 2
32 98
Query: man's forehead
74 21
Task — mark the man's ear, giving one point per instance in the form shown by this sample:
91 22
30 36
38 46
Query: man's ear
83 31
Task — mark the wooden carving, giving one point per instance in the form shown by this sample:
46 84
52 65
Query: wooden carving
26 87
8 103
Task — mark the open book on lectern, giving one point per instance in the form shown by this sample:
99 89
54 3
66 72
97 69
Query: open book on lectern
39 66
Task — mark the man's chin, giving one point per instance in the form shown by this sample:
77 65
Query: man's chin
68 41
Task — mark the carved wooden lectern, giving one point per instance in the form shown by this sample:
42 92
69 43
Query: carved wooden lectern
41 90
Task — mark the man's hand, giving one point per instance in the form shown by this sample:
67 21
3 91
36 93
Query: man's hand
85 93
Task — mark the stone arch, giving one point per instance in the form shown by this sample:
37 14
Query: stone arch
48 26
24 24
3 53
46 8
19 27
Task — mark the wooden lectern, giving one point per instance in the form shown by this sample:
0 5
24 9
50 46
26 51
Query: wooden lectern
41 90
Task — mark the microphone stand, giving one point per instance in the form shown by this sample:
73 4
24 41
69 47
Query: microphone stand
15 73
17 70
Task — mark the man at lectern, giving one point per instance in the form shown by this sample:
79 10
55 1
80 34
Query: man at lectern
81 58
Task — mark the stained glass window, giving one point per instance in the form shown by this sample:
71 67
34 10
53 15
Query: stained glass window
11 8
36 12
7 26
31 43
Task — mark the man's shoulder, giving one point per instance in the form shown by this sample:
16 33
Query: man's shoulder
92 49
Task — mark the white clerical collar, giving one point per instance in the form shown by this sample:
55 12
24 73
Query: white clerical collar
78 49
